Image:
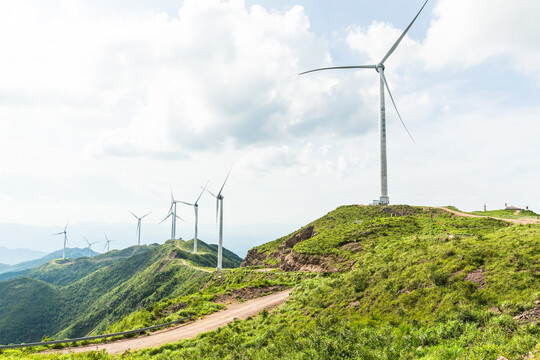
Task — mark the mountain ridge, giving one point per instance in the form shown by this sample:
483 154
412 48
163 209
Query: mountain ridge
85 295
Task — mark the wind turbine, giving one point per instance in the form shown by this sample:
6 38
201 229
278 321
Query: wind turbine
89 246
172 212
196 208
107 243
65 240
219 208
384 199
139 226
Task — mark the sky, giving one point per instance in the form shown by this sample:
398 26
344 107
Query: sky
105 106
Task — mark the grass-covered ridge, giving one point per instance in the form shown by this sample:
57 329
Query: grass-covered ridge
76 297
372 226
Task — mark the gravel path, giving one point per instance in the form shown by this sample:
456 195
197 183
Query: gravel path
190 330
194 267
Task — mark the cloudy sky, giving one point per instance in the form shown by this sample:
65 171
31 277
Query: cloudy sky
105 105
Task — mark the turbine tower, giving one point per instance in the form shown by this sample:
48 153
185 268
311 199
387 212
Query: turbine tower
172 212
219 209
139 226
196 209
107 244
89 246
384 199
65 240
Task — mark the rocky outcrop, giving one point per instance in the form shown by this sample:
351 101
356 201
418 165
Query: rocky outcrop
302 235
256 258
287 259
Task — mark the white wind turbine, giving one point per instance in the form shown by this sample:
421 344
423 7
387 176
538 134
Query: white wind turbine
196 208
172 212
219 208
107 243
384 199
65 240
89 246
139 226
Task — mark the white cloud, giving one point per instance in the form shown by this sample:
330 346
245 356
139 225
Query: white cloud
467 33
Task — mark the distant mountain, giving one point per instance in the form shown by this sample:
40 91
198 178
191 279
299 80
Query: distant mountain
15 256
72 253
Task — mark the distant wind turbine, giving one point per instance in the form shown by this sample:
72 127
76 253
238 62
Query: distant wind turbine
219 208
172 212
65 240
107 243
384 199
89 246
196 208
139 226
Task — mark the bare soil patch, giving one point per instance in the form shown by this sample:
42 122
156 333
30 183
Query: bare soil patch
529 316
477 277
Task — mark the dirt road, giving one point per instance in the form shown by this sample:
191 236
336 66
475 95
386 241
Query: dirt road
194 267
208 323
514 221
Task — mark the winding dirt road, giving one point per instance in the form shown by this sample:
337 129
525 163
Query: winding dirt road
190 330
194 267
514 221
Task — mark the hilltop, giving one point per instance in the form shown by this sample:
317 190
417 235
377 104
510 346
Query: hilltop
372 282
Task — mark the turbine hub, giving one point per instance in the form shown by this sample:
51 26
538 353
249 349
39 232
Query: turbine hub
379 66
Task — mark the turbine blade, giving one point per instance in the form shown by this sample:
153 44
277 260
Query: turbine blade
136 217
60 233
222 186
340 67
183 202
179 217
208 191
196 201
166 217
381 71
88 242
402 36
145 215
66 225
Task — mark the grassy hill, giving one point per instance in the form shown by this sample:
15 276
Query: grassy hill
373 282
76 297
